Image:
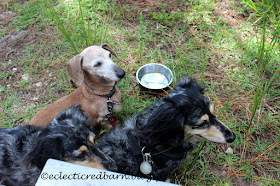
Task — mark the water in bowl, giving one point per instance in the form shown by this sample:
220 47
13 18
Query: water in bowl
154 81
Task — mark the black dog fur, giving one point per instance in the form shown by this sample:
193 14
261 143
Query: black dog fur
24 150
160 130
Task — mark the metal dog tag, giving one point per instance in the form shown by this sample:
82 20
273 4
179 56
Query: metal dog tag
114 106
145 166
117 106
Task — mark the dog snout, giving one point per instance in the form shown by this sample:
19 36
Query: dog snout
120 73
230 136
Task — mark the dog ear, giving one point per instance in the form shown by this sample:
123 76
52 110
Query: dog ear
47 147
188 84
163 126
175 134
75 69
183 83
107 47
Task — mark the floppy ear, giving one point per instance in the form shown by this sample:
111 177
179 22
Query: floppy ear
107 47
175 134
47 147
75 69
163 126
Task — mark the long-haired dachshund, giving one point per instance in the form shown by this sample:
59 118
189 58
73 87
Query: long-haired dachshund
24 150
152 143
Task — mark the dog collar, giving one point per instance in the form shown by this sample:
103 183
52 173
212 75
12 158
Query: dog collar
111 93
112 106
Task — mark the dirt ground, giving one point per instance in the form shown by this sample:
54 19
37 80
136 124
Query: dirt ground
12 46
16 71
13 43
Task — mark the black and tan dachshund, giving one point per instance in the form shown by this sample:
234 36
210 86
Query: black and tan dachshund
24 150
152 143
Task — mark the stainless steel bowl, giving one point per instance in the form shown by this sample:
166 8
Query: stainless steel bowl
154 77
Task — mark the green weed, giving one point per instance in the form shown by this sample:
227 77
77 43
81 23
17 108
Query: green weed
236 63
260 92
86 28
267 13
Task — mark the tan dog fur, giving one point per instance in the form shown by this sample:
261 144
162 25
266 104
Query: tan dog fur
95 73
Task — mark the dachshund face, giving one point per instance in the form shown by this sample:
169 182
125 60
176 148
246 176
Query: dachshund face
94 64
209 127
98 63
69 137
198 113
88 154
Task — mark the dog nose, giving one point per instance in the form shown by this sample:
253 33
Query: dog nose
230 137
120 73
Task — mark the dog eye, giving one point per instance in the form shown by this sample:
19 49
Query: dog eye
203 124
98 64
110 55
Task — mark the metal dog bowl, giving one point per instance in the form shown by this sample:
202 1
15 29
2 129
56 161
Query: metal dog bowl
154 77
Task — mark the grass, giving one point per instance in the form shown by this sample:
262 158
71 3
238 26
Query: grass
231 48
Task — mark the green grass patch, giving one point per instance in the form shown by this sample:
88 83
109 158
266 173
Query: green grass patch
231 48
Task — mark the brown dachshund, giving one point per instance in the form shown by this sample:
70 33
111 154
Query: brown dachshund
96 75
